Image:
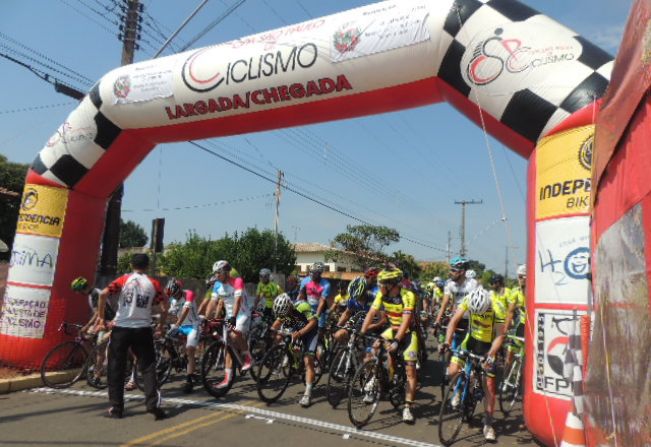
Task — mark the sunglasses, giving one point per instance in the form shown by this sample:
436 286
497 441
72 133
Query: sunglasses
455 270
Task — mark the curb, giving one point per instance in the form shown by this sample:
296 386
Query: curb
30 381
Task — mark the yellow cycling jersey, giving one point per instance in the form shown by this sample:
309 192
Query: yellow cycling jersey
342 300
517 296
481 325
269 292
501 304
395 307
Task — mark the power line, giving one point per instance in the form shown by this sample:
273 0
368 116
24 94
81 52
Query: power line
204 205
213 24
33 108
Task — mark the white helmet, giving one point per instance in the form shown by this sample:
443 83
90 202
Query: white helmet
522 270
221 267
480 301
282 305
436 279
471 274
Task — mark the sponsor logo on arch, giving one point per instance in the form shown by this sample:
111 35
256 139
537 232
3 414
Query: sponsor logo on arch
42 210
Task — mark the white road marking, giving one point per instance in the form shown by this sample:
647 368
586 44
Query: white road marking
256 413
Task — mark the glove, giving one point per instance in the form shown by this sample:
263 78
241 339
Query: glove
443 348
231 321
393 347
173 331
202 318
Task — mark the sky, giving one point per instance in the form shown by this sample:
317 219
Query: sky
404 170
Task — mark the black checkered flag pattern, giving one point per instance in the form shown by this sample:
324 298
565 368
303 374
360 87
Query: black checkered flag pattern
543 71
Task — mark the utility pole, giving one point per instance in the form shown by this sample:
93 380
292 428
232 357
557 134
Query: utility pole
449 247
506 260
462 231
129 35
277 194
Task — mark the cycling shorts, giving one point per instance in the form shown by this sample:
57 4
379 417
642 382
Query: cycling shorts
242 323
516 345
192 334
477 347
409 344
310 340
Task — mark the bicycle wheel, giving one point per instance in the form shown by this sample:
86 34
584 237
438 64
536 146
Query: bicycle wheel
364 393
96 368
259 344
342 371
509 388
64 365
451 417
213 372
274 373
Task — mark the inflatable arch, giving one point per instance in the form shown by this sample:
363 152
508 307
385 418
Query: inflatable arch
531 82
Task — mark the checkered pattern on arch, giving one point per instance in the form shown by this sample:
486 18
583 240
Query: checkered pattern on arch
531 111
68 168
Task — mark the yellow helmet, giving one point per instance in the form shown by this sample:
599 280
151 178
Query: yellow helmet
393 275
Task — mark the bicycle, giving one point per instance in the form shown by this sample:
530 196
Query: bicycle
67 359
510 389
344 364
468 387
213 363
260 338
280 365
372 381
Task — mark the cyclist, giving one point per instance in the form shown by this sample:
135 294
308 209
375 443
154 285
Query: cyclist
302 322
292 287
500 296
340 301
362 291
480 340
455 290
517 313
399 304
187 323
267 290
229 295
316 291
133 331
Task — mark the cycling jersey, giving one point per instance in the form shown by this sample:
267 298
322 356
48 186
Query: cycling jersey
481 325
93 303
517 297
298 317
457 291
357 306
269 292
314 293
187 301
501 304
342 300
396 307
138 292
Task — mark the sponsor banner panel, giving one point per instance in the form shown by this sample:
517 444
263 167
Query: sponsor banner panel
33 259
42 210
142 83
563 178
386 27
552 340
24 312
563 260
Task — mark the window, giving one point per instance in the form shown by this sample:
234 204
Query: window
341 269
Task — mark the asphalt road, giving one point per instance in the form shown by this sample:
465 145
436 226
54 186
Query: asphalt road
75 417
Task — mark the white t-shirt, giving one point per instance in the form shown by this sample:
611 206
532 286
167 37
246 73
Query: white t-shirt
138 293
457 291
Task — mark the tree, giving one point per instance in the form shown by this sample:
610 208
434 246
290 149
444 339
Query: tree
434 269
364 244
12 179
407 263
132 234
247 253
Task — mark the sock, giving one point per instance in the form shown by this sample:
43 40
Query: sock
229 372
308 389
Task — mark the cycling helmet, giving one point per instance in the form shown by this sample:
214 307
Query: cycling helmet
390 275
497 279
480 301
79 284
356 288
522 270
459 262
440 283
471 274
436 279
173 287
371 272
265 273
282 305
317 267
221 267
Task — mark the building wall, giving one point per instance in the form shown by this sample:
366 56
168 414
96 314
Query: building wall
306 259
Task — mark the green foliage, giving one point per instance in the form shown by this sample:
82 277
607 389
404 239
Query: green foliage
132 234
407 263
247 253
124 265
433 269
364 244
12 177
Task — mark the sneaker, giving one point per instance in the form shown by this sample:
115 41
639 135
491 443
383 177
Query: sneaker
158 413
456 400
369 391
305 401
188 386
224 383
489 433
407 416
114 413
248 363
